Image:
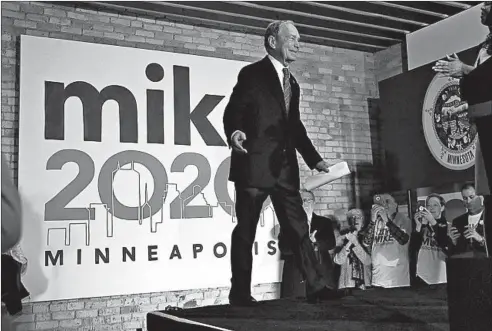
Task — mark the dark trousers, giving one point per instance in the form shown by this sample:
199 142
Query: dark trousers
287 203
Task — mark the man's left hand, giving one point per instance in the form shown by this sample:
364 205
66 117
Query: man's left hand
323 166
312 236
471 233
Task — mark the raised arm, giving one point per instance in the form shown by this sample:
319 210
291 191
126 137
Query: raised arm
401 230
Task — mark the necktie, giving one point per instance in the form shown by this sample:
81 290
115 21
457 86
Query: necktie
287 89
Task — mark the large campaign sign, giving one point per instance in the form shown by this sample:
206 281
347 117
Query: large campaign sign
123 171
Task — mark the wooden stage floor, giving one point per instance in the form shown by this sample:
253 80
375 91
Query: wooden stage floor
423 309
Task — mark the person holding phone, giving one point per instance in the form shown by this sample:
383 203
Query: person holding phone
430 240
387 239
467 231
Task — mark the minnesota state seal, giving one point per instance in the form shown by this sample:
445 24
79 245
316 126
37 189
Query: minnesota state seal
450 136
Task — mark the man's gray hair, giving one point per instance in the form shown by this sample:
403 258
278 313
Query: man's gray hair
272 30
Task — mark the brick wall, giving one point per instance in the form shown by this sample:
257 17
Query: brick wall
337 88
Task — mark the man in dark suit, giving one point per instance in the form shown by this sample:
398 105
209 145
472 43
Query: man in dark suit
467 231
263 126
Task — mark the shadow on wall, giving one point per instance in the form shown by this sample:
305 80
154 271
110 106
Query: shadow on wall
367 177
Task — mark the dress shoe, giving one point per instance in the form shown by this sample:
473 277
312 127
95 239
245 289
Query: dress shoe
243 301
323 295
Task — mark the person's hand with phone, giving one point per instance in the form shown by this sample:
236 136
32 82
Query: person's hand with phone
471 233
453 234
427 217
378 210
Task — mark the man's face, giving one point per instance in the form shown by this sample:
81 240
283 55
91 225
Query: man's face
286 44
468 195
307 202
485 11
392 205
357 220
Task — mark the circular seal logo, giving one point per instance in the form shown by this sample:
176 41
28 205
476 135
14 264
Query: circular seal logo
450 136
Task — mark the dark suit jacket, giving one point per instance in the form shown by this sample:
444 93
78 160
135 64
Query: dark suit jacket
257 108
464 245
476 87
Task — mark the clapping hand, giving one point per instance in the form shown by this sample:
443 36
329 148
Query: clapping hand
453 67
352 237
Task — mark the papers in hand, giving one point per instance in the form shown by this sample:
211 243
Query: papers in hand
336 171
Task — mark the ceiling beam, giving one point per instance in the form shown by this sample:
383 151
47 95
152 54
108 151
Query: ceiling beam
307 20
339 16
229 13
457 4
370 10
428 6
233 24
391 12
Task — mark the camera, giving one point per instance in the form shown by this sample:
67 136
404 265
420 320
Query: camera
379 201
421 208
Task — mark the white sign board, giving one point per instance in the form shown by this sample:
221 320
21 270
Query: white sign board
451 35
123 169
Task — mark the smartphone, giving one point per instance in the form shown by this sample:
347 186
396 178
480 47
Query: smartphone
378 200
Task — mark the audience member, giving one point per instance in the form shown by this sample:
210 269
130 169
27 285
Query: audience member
430 240
355 261
387 240
467 231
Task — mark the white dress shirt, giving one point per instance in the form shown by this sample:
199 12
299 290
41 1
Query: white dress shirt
279 67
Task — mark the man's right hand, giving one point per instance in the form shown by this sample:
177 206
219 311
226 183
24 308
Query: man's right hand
454 234
237 139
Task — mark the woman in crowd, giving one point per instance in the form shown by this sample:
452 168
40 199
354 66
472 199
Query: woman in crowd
354 261
430 240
